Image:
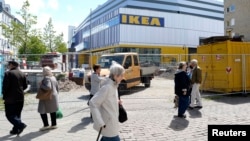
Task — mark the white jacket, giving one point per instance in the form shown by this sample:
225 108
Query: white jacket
104 109
95 83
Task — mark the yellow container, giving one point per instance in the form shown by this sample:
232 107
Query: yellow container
222 66
204 59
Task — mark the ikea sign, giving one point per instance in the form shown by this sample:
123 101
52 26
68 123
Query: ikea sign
141 20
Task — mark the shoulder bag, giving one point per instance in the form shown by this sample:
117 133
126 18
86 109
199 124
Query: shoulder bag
43 94
122 114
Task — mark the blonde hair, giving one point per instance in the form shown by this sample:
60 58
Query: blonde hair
47 71
116 70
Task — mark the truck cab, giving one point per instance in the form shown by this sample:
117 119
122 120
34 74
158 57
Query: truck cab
133 72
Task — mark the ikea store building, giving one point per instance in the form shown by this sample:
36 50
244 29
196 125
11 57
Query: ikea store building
147 27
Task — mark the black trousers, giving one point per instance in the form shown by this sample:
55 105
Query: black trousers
45 119
13 114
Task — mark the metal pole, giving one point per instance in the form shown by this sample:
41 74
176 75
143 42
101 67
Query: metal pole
90 37
244 73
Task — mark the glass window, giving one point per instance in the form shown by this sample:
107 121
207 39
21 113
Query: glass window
232 8
128 62
106 61
232 22
136 62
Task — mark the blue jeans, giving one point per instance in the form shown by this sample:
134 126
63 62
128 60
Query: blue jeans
183 104
116 138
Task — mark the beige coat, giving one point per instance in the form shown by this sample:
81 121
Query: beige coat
49 106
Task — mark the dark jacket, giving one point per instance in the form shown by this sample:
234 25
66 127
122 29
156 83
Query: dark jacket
14 82
182 82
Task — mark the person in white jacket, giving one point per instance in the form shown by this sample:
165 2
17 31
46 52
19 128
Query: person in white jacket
104 105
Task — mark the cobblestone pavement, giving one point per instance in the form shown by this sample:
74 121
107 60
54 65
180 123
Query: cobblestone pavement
150 113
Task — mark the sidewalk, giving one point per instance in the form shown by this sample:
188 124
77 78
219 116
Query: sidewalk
150 113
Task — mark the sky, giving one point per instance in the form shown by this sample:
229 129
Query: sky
62 12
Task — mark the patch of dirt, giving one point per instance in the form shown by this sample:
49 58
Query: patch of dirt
66 85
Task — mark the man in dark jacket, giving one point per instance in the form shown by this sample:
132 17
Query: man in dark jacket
14 84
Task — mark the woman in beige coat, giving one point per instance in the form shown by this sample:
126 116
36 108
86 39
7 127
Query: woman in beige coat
49 106
104 105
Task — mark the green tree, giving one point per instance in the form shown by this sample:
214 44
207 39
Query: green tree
49 36
60 45
18 33
34 46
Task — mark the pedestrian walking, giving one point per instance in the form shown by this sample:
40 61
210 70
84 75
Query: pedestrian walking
51 105
182 83
95 80
104 105
196 80
14 84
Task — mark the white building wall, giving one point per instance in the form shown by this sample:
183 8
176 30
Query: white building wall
179 29
70 34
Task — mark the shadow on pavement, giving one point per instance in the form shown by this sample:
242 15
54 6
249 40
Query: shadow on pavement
133 90
194 113
23 137
178 124
233 99
84 97
85 122
75 112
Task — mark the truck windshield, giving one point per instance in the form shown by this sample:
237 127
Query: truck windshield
106 61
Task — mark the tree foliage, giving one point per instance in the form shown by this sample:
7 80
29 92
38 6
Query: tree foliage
49 36
18 33
60 45
29 40
33 46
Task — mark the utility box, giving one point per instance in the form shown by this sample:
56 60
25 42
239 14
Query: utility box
2 71
225 66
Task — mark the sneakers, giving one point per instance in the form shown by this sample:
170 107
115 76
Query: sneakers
53 127
182 116
45 128
190 108
48 127
199 107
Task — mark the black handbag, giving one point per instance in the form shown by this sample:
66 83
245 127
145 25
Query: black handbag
122 114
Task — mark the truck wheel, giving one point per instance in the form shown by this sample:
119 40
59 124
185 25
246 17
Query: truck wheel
147 82
122 88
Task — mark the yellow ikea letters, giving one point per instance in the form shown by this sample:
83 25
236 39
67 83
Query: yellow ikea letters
142 20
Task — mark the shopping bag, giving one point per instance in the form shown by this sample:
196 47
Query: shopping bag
59 113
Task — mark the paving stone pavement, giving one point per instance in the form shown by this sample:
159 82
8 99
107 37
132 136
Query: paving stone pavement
150 113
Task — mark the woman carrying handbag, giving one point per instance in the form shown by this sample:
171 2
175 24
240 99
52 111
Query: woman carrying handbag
104 105
51 105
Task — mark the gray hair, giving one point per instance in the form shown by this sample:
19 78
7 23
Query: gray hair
116 70
47 71
194 61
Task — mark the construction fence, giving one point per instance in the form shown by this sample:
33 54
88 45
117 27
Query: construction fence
222 73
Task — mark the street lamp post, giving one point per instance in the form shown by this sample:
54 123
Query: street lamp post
185 48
